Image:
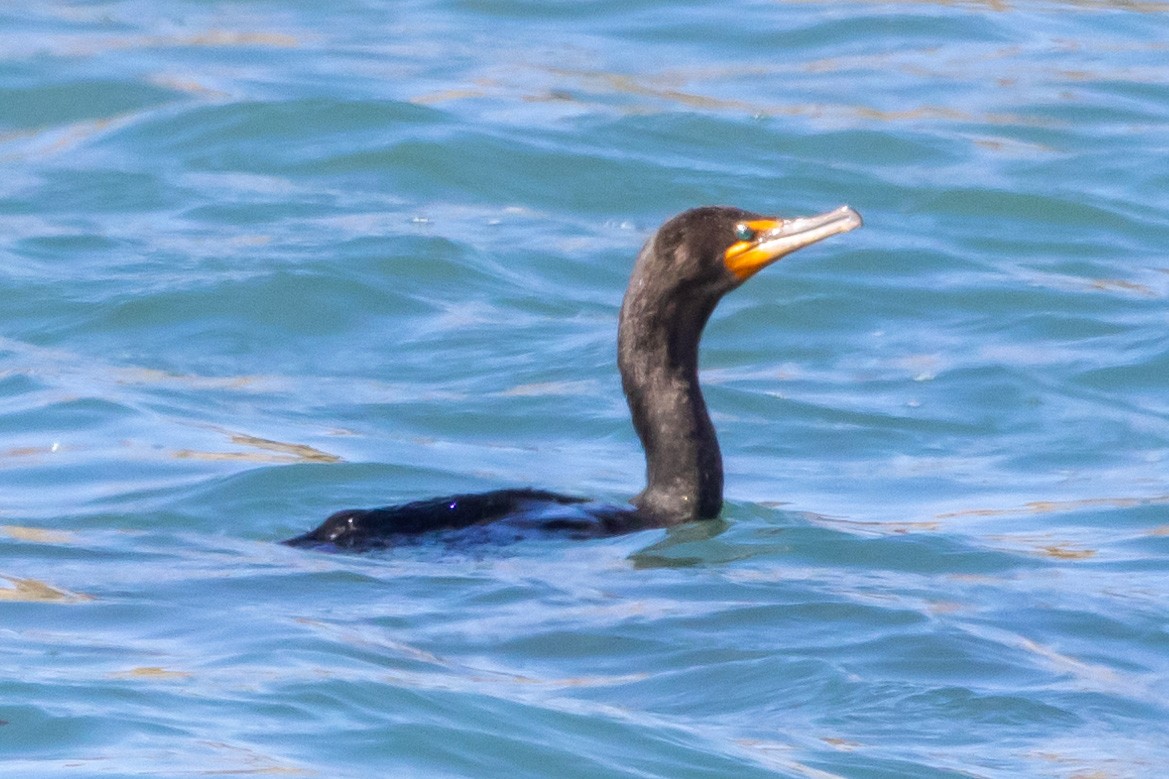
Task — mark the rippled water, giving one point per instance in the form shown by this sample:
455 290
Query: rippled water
260 261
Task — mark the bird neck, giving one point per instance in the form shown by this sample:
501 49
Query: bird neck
658 357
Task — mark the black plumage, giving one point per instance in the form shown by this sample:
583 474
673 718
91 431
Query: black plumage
681 273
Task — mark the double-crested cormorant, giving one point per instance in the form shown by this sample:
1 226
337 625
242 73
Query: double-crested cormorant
682 272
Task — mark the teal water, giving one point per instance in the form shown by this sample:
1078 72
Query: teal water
263 260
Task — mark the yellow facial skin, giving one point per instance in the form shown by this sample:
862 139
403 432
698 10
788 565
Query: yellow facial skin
764 241
745 258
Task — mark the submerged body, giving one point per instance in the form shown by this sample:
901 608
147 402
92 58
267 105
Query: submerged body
682 272
499 516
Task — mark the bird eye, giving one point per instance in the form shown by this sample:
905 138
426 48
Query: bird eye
744 232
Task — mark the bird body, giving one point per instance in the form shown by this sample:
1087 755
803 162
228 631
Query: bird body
681 273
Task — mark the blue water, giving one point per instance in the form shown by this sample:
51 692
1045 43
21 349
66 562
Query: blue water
264 260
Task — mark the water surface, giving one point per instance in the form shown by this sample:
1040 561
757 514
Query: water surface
260 261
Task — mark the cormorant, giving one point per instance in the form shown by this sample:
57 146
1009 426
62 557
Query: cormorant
682 272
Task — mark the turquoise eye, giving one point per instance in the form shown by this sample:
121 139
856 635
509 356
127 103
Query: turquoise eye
744 232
